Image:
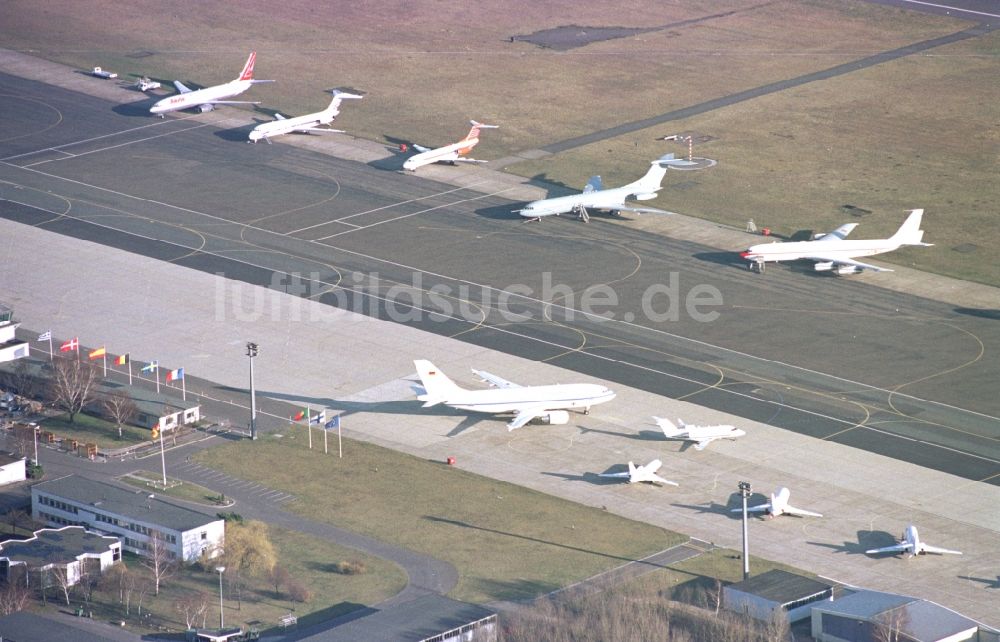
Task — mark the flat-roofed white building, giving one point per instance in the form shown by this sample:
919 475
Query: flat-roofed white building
70 551
12 469
136 516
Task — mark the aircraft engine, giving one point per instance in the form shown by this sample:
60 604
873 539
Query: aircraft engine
823 266
848 269
557 417
205 107
645 197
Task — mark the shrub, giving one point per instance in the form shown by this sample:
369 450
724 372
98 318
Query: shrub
350 567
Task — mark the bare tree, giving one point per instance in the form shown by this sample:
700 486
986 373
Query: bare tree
62 578
159 559
14 596
20 379
120 408
114 580
891 625
72 385
19 516
279 576
192 606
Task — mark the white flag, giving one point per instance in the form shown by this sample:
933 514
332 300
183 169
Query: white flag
45 336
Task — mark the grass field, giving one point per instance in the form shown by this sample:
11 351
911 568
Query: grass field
507 542
175 488
88 429
916 132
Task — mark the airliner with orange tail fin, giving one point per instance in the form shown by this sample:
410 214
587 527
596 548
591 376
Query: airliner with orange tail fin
454 153
206 99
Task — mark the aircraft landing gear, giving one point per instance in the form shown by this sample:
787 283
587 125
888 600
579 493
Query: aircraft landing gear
586 410
581 213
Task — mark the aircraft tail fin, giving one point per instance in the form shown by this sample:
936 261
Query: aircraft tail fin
438 386
476 126
650 183
631 470
667 426
338 96
909 233
247 73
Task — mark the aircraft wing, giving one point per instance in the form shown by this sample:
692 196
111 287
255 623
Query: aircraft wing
638 210
523 415
898 548
791 510
230 102
701 443
753 509
420 148
621 475
326 130
838 234
181 87
493 380
460 159
842 261
656 478
940 551
278 116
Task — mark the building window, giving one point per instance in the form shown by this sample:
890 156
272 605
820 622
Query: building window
204 534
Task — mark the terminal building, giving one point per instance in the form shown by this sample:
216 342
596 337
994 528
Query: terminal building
135 516
776 592
10 347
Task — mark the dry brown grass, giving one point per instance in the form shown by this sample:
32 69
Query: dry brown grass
917 132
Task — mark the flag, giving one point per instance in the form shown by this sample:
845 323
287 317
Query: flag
318 418
175 375
333 424
97 354
152 367
121 360
299 415
69 346
45 336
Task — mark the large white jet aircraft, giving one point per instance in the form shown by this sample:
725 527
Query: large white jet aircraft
548 403
832 252
700 436
595 197
307 123
206 99
779 506
910 543
454 153
645 473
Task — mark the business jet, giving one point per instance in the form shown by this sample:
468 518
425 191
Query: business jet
547 403
832 252
700 436
910 543
595 197
307 123
645 473
779 506
206 99
454 153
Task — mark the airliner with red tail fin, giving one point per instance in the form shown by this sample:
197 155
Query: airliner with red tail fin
206 99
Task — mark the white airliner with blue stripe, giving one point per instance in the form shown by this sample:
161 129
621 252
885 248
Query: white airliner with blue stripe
547 403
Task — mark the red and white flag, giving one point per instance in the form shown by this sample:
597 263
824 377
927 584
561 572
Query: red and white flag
71 345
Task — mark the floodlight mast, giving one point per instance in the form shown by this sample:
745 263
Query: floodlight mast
252 350
745 494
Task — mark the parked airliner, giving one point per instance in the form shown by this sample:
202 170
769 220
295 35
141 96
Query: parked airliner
911 545
206 99
454 153
779 506
638 474
307 123
548 403
832 252
700 436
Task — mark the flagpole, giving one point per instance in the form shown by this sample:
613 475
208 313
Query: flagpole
156 374
105 355
51 350
129 363
340 445
184 394
325 450
309 426
163 458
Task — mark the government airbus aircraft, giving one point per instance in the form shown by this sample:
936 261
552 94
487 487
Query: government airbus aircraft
454 153
779 506
910 543
700 436
832 252
547 403
595 197
645 473
206 99
307 123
